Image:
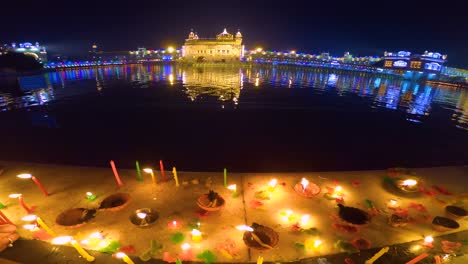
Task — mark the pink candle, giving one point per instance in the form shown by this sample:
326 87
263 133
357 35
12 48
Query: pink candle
36 181
116 174
418 258
21 201
5 219
163 174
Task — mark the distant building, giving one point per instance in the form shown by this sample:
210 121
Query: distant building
95 54
428 62
36 51
224 48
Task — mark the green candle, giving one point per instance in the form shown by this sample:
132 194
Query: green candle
225 177
138 171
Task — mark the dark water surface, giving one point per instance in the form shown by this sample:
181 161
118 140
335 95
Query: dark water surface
245 119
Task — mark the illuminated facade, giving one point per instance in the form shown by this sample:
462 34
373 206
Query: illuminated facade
36 51
224 48
428 62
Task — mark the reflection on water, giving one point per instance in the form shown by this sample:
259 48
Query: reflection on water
227 84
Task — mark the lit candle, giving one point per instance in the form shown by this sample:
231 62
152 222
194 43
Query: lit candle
304 183
116 174
161 167
418 258
428 242
313 244
21 201
196 235
82 252
338 191
124 258
272 185
305 219
260 260
173 224
174 171
377 255
244 228
137 164
90 196
233 187
142 216
392 204
185 246
150 171
225 177
35 180
45 227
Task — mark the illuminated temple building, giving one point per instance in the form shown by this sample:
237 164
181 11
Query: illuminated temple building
224 48
34 50
414 64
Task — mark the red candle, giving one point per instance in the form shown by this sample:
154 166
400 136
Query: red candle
28 209
35 180
117 178
161 166
5 219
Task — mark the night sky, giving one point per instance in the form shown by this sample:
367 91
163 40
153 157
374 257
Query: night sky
361 27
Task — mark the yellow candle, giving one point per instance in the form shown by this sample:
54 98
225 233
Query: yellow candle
260 260
377 255
174 171
125 258
45 227
196 235
82 252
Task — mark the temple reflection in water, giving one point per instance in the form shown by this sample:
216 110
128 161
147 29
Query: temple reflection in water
227 84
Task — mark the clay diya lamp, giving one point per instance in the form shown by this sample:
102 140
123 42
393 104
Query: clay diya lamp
353 215
261 237
75 217
456 212
211 201
407 184
398 220
144 217
443 224
307 189
115 202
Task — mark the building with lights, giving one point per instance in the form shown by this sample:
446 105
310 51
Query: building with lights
224 48
404 61
36 51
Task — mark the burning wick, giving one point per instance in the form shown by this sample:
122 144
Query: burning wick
233 187
272 185
428 241
392 204
409 183
304 184
142 216
90 196
305 219
185 246
245 228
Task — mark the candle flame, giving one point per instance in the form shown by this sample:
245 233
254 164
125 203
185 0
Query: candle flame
245 228
24 176
338 188
429 239
232 187
185 246
196 232
273 183
393 202
15 195
62 240
304 183
317 243
30 227
141 215
29 218
148 170
305 219
409 182
174 223
96 235
120 255
89 194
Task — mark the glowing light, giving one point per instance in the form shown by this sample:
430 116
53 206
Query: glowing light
89 194
273 183
245 228
24 176
185 246
409 182
62 240
232 187
171 78
293 52
196 235
29 227
429 239
257 81
147 170
415 248
141 215
305 219
317 243
15 195
259 49
304 183
170 49
120 255
29 218
338 189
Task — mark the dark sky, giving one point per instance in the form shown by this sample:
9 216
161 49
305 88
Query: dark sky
361 27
